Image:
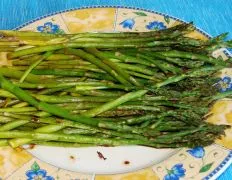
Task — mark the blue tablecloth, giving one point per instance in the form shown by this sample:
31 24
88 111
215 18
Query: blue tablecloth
213 16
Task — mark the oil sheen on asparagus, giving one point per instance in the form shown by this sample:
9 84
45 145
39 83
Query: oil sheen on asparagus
109 89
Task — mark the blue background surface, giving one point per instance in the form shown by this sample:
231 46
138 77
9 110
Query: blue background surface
212 16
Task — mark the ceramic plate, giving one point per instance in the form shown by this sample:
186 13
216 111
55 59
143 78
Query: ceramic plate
194 163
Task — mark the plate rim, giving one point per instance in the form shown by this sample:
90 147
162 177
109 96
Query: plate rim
221 167
107 6
228 159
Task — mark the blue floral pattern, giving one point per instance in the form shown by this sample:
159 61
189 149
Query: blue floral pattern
197 152
156 25
49 27
175 172
37 174
225 84
128 23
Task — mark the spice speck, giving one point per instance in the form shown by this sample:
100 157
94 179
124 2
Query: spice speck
100 155
31 146
72 157
126 162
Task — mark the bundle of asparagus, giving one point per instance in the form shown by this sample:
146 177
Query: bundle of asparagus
109 89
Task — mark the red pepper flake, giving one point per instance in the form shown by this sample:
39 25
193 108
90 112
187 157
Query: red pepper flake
31 146
126 162
100 155
72 157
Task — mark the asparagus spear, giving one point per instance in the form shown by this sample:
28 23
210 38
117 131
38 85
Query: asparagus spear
114 103
33 66
114 66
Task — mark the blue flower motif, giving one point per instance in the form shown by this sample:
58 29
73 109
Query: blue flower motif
225 84
48 27
175 173
128 23
197 152
38 175
155 25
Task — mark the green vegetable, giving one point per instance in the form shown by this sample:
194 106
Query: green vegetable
131 88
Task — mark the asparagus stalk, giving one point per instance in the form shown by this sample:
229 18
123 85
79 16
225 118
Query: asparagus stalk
45 129
98 63
33 66
114 66
193 56
12 73
112 104
13 125
204 71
